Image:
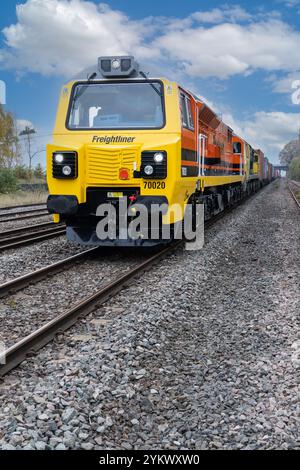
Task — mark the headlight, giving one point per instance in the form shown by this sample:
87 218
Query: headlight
148 170
64 165
59 158
158 157
67 170
153 164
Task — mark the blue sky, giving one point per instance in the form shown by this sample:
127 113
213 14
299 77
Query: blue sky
241 57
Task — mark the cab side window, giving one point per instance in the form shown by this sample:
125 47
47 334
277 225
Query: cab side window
189 113
184 116
237 147
186 112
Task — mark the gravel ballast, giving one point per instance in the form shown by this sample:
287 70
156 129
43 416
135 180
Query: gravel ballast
201 352
4 226
24 260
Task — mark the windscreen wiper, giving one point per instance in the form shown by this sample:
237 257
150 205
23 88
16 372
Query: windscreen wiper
150 83
80 91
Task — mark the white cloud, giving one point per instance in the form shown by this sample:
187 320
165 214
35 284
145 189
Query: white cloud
290 3
228 49
284 85
64 36
230 13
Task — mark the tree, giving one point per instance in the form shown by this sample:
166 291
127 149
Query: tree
22 172
294 169
290 150
9 142
28 132
39 172
8 181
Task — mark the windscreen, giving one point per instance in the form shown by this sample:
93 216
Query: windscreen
129 105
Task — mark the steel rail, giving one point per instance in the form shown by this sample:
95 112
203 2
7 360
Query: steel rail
296 183
28 227
25 236
34 211
297 201
25 217
24 240
20 282
8 208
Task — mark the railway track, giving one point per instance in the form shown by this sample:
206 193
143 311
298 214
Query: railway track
8 208
14 355
296 183
34 211
296 199
26 228
16 216
30 344
19 240
10 287
26 217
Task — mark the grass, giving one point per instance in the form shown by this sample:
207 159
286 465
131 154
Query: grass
22 198
32 180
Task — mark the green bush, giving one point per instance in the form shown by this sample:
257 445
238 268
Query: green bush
22 172
8 181
294 169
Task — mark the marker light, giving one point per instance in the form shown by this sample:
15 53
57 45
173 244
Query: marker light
158 157
148 170
124 174
67 170
59 158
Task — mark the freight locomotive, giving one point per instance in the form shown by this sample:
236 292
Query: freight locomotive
123 136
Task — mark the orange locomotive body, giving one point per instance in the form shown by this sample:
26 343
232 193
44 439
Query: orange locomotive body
214 138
